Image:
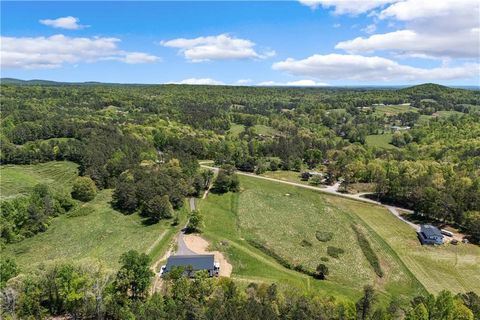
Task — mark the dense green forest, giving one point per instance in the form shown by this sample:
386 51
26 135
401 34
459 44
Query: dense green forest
110 131
145 142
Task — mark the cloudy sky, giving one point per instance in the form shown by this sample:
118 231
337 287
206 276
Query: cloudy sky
303 43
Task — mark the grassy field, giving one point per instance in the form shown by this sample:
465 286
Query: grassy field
236 129
93 231
285 219
20 179
264 130
285 175
250 264
447 113
456 268
380 140
394 109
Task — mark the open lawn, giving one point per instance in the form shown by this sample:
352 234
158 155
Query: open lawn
394 109
236 129
285 175
455 268
20 179
264 130
285 219
380 140
92 231
447 113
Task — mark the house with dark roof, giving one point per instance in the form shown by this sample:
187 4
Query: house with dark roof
429 234
192 264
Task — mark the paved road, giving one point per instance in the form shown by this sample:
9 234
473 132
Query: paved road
394 210
182 248
330 190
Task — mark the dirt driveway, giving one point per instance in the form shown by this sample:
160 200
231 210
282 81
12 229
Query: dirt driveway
199 245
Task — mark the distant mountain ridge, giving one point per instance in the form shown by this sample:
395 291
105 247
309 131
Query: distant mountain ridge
431 87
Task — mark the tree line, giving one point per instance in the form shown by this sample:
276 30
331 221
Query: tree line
89 291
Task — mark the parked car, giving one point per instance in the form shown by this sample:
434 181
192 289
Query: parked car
446 233
216 269
162 270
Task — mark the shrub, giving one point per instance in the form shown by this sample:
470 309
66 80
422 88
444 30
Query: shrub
324 236
305 243
84 189
321 272
304 176
226 181
194 222
316 180
334 252
284 262
8 269
301 268
368 251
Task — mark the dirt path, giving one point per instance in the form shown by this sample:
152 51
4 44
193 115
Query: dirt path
157 281
160 237
200 246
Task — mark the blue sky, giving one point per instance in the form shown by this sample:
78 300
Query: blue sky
308 42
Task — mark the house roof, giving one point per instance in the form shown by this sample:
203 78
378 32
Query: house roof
430 231
197 261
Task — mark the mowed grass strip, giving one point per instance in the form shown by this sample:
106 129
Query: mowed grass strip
446 267
98 232
17 180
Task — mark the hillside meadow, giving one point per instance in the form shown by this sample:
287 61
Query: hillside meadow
285 220
20 179
91 231
447 267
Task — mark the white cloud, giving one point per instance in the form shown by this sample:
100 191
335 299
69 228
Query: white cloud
138 57
352 7
416 9
220 47
244 81
298 83
57 50
368 69
71 23
441 29
337 25
410 42
371 28
200 81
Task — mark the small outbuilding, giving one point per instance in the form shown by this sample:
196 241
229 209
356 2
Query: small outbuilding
429 234
192 264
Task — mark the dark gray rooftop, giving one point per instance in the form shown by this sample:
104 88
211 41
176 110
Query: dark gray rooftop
197 262
430 231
